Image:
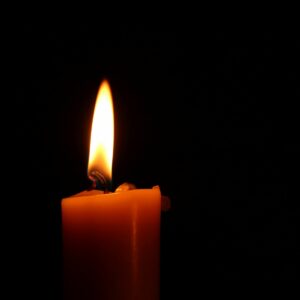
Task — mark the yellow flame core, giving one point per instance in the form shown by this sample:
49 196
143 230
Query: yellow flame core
102 135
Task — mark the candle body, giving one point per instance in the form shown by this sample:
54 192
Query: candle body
111 245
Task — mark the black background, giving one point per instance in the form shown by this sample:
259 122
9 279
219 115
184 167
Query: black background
208 113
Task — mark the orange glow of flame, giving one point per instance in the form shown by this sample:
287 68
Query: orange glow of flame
102 134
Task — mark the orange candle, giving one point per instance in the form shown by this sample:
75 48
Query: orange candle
111 241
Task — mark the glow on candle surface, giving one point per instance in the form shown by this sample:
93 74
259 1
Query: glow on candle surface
111 241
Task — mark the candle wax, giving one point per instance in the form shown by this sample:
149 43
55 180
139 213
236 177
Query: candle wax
111 245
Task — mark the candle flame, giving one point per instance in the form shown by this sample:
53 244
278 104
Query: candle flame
102 134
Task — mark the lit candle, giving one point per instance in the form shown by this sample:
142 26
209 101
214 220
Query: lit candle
111 241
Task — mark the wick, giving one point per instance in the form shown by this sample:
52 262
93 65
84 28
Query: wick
99 182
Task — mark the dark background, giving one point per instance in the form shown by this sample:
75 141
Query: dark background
208 113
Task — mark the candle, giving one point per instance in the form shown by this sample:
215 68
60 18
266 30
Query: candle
111 241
